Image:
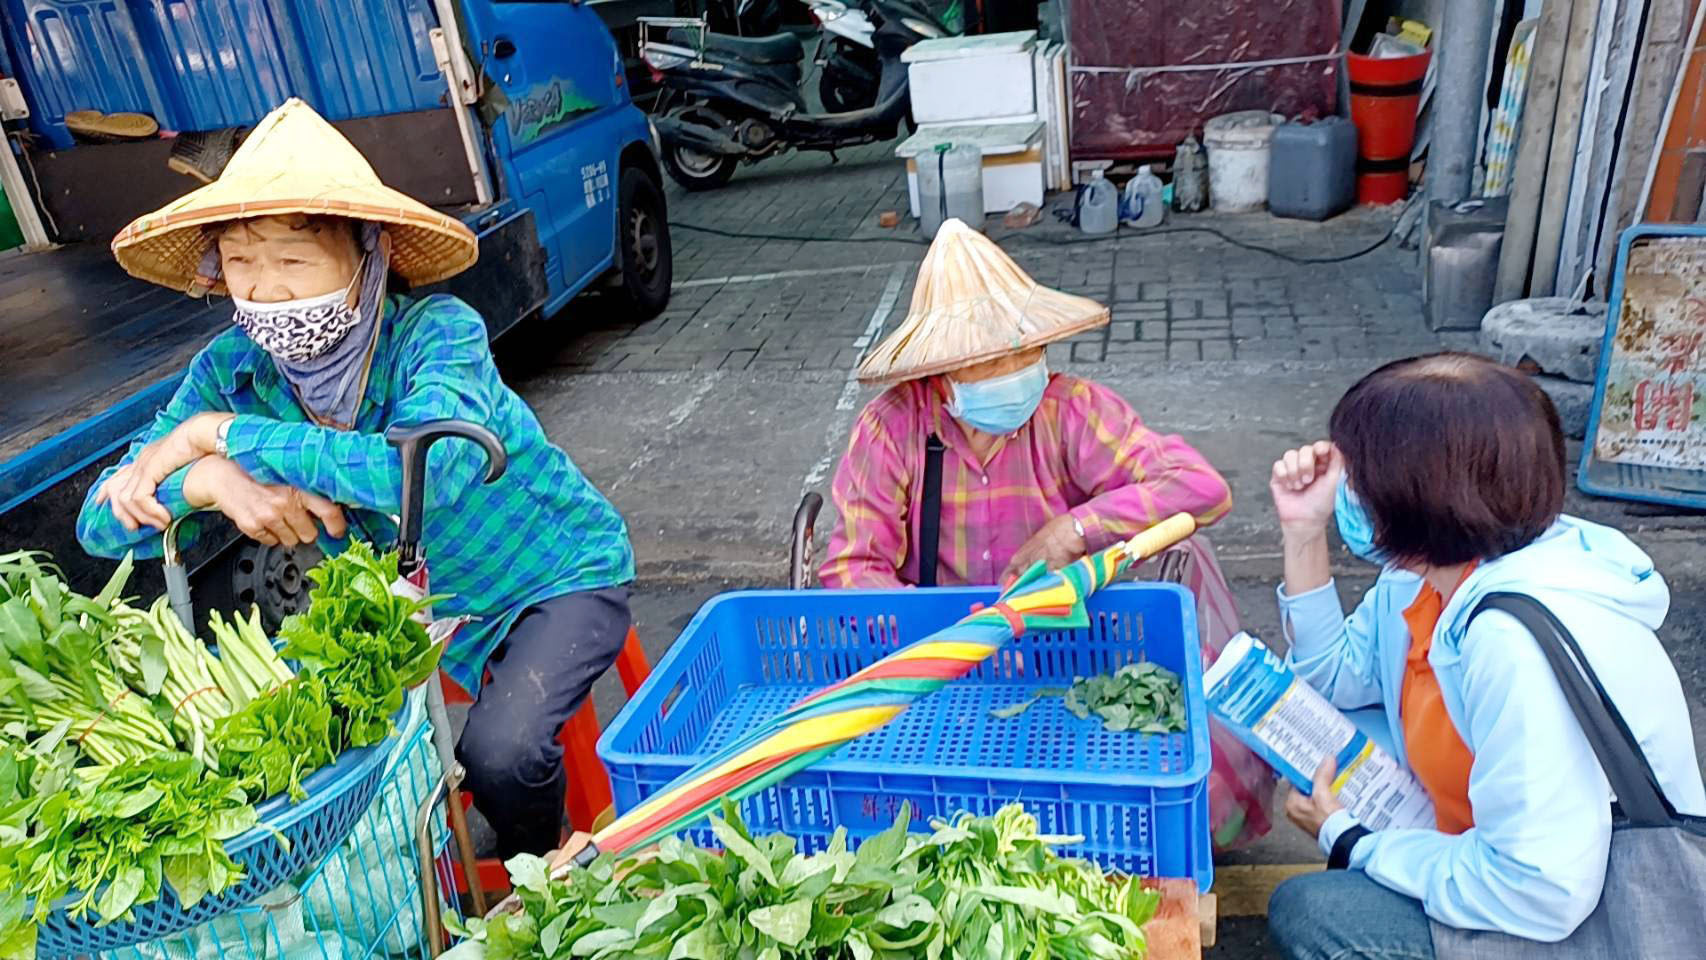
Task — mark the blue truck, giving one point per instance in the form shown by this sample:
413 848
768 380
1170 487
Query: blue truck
512 115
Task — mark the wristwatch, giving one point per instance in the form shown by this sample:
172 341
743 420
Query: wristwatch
219 432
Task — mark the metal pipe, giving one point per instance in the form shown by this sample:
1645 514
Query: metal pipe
453 62
430 916
1459 94
19 197
464 840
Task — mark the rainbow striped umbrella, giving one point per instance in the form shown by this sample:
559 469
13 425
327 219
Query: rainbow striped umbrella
824 722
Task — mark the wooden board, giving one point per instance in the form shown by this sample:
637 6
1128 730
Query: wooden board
1567 127
1244 891
1534 144
1658 63
1683 126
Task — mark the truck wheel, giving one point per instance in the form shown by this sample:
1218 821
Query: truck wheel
253 574
646 256
698 171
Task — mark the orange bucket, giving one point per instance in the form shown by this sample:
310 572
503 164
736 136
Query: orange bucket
1384 96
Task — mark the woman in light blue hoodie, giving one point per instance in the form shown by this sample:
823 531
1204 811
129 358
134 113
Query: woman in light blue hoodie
1448 470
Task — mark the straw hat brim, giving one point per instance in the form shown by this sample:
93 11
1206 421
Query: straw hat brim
972 304
293 162
166 247
1079 314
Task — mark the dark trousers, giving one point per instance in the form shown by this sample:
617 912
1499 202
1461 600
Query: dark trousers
535 680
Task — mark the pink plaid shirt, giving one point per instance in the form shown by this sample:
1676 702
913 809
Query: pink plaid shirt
1083 451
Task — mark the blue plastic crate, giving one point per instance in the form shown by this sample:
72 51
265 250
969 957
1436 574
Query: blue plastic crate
1140 801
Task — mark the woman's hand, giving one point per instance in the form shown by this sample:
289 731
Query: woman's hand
1056 544
131 489
1310 812
273 514
1304 484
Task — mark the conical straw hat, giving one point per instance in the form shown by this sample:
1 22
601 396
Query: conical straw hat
972 303
293 162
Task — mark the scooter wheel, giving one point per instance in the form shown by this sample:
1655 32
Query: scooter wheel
698 171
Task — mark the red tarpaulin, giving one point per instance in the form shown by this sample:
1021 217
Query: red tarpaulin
1147 73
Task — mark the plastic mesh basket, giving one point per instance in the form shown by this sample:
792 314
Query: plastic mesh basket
1140 801
338 796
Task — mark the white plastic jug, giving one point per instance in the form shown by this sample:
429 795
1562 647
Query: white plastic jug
950 186
1143 206
1099 206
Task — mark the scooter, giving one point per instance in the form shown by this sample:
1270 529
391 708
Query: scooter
737 99
847 56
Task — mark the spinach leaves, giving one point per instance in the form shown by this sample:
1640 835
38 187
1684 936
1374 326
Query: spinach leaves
978 888
1141 697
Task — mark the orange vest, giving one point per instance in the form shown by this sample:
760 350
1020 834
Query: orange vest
1438 756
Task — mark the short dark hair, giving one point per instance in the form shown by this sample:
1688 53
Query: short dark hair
1455 457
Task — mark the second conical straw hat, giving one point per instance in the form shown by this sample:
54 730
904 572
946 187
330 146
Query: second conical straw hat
972 303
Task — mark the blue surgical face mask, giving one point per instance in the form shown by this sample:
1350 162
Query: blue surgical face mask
1000 405
1356 527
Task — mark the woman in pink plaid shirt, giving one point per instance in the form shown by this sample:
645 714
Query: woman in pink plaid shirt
1034 466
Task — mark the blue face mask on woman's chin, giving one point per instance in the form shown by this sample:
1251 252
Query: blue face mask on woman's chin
1356 527
1000 405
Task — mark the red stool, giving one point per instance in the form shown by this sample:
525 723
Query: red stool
588 796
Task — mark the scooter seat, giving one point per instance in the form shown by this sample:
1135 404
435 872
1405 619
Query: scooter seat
780 48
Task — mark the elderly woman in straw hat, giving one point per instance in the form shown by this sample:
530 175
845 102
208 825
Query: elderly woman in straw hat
1033 465
280 424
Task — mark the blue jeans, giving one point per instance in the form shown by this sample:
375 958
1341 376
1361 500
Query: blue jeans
1343 915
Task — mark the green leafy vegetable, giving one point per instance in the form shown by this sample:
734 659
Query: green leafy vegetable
130 750
979 888
110 838
359 647
1142 697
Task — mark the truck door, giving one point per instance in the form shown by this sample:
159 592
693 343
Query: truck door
556 65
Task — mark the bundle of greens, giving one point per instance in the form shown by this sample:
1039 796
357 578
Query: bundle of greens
112 837
55 669
988 888
359 648
1144 697
131 750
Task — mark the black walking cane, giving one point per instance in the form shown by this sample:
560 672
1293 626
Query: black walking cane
413 443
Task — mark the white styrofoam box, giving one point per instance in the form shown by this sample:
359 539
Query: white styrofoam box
987 77
1012 160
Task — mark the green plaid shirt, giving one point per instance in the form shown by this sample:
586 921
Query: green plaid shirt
539 532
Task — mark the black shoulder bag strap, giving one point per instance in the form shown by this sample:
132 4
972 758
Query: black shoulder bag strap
930 512
1620 755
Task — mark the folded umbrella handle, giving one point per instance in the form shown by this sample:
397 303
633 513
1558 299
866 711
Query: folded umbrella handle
1179 526
413 442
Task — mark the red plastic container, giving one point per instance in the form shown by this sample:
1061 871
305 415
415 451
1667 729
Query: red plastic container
1384 96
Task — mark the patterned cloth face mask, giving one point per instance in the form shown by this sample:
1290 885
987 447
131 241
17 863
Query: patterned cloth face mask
302 329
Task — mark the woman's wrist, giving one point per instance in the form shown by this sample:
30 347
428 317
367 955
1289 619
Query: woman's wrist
1303 534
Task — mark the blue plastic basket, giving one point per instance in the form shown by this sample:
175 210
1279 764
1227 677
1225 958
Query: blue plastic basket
1140 801
338 796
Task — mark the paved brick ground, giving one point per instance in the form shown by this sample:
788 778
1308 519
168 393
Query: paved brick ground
764 301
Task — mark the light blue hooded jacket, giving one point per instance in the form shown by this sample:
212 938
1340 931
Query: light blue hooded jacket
1534 863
